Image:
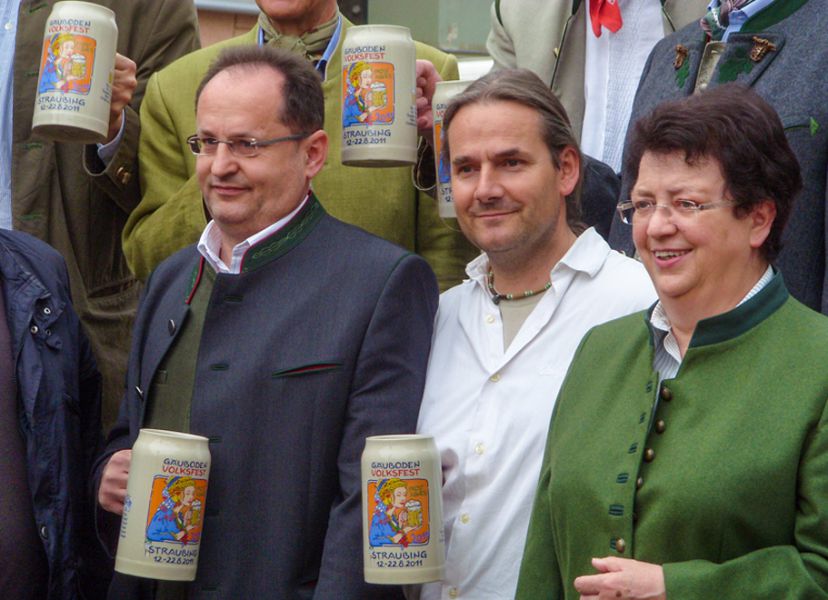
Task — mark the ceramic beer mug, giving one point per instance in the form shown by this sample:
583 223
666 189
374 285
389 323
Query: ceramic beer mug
74 88
164 507
402 510
379 114
443 92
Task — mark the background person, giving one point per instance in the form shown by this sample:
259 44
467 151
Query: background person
50 431
75 197
591 53
688 453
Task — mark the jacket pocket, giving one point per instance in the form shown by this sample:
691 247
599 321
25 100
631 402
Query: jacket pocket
308 369
800 121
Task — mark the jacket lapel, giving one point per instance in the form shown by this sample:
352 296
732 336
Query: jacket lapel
685 59
746 57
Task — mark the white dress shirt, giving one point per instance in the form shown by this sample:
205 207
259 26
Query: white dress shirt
489 409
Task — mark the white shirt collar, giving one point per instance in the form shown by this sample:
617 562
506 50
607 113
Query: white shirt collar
209 245
587 254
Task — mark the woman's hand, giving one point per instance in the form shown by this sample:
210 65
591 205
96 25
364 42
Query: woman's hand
622 579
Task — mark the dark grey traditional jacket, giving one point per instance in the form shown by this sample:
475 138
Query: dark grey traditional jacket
322 340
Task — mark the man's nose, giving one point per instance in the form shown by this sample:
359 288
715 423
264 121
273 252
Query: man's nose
224 161
488 187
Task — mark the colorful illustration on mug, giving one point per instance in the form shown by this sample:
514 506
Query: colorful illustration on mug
398 509
67 63
443 168
368 93
176 511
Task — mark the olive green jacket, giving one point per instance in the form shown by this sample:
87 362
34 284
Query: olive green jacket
384 202
81 209
720 475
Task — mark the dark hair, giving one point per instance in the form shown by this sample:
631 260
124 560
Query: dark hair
735 126
524 87
303 104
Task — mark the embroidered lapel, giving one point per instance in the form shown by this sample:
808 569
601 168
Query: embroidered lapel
746 57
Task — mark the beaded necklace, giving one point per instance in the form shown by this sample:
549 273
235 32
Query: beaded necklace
496 297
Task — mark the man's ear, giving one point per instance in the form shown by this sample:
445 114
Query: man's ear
570 168
316 151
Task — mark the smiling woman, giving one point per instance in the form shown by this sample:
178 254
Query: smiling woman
708 465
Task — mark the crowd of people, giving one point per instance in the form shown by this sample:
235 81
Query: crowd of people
622 372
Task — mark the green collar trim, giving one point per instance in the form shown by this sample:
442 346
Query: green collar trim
742 318
195 279
737 321
270 248
772 15
286 239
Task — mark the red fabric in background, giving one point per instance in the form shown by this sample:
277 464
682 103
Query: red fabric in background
605 13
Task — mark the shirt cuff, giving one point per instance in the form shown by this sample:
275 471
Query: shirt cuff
107 151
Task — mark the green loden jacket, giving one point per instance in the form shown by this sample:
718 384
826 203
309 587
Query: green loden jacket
720 474
384 202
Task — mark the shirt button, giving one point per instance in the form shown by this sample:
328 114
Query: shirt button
495 378
171 326
490 319
639 482
465 518
8 26
34 329
660 426
47 310
620 545
666 394
479 448
649 455
44 533
453 593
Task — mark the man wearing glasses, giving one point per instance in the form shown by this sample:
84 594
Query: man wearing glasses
284 336
381 201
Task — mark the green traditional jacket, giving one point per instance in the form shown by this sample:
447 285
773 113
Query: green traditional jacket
384 202
719 474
